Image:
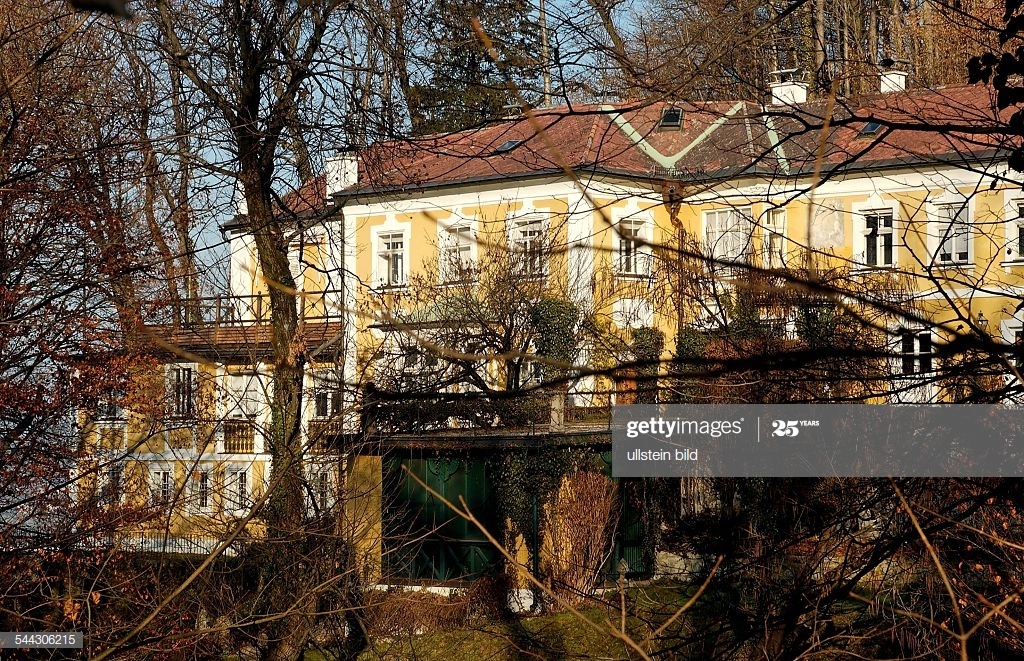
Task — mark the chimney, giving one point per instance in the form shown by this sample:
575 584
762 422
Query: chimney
242 206
893 80
787 87
342 172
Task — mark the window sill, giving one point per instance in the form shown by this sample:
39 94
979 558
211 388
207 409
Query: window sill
1019 261
867 269
392 289
952 266
468 282
633 277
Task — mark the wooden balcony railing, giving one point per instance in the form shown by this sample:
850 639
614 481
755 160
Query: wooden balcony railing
239 437
255 309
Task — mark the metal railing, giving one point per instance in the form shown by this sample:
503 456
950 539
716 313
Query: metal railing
158 542
227 310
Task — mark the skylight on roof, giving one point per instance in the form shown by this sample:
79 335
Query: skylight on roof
671 118
870 128
507 146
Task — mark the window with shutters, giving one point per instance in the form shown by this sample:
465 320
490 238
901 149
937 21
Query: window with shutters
245 396
111 484
181 386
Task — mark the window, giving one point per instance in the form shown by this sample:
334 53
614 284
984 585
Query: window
244 395
878 235
728 234
507 146
457 254
916 352
532 373
296 264
182 391
111 484
870 128
671 118
528 241
1015 232
202 485
774 256
954 234
320 491
633 259
391 256
236 490
326 394
161 486
107 409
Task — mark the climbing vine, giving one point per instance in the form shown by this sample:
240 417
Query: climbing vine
555 321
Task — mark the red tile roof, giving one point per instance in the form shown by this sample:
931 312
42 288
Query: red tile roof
717 139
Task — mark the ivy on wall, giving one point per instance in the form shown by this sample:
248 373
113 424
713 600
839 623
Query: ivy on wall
555 321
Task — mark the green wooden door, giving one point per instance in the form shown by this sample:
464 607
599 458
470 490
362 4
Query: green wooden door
424 539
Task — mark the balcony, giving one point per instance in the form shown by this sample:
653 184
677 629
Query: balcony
225 310
239 437
238 327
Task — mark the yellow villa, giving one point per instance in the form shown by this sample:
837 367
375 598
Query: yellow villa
419 262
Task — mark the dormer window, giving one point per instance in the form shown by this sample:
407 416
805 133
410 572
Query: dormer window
671 119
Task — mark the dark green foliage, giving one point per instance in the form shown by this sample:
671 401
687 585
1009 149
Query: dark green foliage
555 321
691 345
465 88
648 343
519 478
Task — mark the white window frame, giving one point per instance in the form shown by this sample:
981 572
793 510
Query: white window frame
321 488
197 490
181 393
905 390
162 488
773 231
237 501
876 207
327 394
457 255
1014 227
245 394
381 267
528 237
728 234
392 258
1012 332
633 238
632 313
531 373
951 247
